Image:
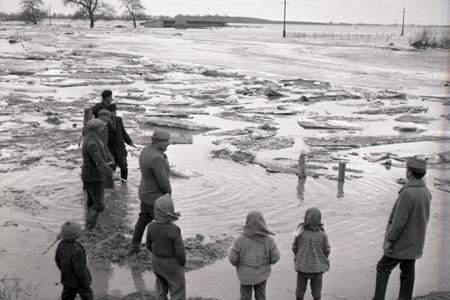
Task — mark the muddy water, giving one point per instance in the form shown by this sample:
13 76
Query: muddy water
38 197
216 203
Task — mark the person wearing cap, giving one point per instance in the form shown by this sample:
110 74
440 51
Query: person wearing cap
70 258
405 233
253 253
155 183
166 244
94 170
106 100
117 137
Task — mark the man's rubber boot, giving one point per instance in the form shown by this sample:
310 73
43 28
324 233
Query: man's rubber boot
134 249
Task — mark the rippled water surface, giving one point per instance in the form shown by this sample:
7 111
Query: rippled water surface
39 198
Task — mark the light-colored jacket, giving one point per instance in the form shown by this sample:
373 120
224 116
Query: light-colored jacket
408 221
253 256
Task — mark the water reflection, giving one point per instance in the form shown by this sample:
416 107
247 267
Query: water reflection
340 193
138 279
301 189
102 273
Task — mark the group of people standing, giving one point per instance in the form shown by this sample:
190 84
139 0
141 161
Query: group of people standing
252 253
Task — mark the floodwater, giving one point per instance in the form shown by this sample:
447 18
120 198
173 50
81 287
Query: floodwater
38 197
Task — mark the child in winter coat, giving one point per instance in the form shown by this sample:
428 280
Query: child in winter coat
311 249
166 244
71 261
253 253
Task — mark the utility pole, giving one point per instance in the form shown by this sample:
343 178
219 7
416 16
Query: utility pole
403 23
284 20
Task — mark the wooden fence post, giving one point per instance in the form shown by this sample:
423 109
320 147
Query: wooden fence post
341 176
302 165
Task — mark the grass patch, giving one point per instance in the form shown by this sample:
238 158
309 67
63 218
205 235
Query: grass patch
427 39
13 289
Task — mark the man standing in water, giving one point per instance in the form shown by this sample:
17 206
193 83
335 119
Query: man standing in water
117 137
155 182
94 170
405 233
106 100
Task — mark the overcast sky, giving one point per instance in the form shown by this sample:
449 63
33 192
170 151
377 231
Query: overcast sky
432 12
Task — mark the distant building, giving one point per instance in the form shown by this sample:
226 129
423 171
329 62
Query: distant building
204 24
159 23
184 24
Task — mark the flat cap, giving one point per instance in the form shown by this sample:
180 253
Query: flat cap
94 123
416 163
161 135
104 112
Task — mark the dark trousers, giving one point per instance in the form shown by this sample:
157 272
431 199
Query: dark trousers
260 291
69 293
315 282
122 163
169 278
95 203
95 194
146 215
407 274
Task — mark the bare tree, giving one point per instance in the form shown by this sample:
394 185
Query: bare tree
31 10
92 9
135 8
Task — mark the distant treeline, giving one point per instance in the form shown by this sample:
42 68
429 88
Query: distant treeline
215 18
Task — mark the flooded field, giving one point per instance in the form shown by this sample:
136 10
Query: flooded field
241 104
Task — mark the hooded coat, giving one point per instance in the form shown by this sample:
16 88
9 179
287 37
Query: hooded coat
408 221
311 246
166 244
163 236
254 251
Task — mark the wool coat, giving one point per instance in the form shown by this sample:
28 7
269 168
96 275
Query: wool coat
253 257
155 172
117 137
165 242
408 221
70 258
98 107
94 168
254 251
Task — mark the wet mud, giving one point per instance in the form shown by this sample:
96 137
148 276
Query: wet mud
111 239
247 118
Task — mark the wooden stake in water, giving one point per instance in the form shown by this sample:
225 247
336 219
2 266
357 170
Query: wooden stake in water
302 165
341 176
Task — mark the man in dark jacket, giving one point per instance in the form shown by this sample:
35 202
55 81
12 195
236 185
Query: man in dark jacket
106 100
155 182
405 232
117 137
70 258
105 115
94 170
